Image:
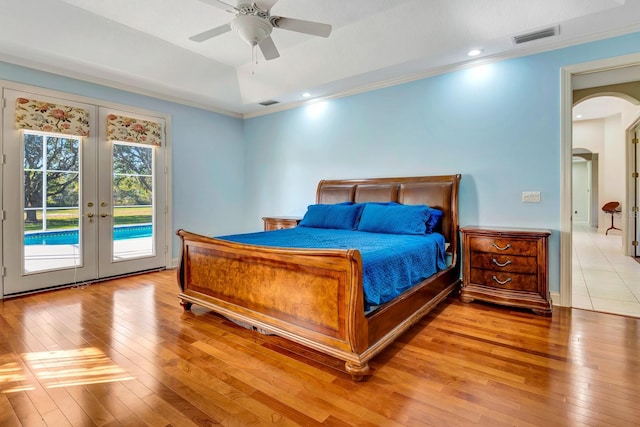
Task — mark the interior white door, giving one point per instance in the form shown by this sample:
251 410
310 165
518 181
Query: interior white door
48 186
580 182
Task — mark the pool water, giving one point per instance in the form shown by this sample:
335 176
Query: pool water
70 237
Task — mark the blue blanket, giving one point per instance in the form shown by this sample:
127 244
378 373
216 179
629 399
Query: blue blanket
391 263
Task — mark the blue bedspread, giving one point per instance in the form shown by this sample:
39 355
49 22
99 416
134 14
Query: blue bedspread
391 263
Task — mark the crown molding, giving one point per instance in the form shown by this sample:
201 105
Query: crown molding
519 53
165 96
88 78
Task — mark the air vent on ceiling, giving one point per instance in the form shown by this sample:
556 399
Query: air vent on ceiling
536 35
269 102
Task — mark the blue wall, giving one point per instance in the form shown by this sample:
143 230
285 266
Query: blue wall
207 153
498 125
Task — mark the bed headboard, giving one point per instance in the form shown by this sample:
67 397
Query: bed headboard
439 192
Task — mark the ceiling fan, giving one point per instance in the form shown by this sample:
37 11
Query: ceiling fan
254 23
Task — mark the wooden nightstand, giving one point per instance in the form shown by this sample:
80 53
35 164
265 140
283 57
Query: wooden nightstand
280 222
506 266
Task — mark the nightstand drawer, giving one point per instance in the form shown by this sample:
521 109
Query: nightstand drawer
504 263
279 222
505 280
502 245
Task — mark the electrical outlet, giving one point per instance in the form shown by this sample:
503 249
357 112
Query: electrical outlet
531 196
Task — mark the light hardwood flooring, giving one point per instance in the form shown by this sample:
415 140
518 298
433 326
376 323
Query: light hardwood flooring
603 278
123 352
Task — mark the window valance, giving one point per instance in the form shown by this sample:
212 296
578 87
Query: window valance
127 129
48 117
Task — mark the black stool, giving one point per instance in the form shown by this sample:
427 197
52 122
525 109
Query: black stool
611 208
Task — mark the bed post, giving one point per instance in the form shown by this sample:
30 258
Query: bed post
186 305
357 370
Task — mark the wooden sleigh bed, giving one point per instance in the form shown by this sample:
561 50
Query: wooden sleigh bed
315 296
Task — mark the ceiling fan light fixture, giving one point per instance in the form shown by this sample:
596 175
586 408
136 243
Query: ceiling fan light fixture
254 23
252 29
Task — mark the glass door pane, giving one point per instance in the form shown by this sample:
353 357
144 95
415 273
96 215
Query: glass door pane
133 201
51 189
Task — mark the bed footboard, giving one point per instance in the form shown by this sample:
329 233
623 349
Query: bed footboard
313 297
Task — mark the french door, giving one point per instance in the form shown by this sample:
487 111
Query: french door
78 208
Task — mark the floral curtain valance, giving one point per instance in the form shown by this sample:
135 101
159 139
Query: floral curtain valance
127 129
48 117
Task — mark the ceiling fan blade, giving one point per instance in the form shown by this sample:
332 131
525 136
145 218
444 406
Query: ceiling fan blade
268 48
300 26
220 4
209 34
264 4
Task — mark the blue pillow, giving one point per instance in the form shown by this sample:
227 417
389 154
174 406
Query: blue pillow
394 219
363 204
435 215
340 216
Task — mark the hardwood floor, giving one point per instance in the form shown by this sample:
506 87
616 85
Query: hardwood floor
123 352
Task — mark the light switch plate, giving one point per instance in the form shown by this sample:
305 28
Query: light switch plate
531 196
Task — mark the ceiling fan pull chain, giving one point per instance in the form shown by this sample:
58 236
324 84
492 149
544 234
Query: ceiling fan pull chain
254 60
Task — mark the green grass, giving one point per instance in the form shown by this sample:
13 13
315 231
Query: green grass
68 218
131 219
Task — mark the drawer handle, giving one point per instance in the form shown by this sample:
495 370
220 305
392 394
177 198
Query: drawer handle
499 248
502 282
504 264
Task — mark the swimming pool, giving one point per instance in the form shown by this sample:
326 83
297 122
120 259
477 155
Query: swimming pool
70 237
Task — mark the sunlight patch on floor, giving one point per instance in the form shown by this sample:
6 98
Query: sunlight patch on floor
61 368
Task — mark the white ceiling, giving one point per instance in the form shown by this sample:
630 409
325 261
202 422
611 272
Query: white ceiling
143 45
599 107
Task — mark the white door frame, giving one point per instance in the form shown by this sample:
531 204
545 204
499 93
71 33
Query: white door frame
632 131
566 155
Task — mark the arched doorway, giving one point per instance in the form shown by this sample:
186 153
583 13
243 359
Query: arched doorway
602 121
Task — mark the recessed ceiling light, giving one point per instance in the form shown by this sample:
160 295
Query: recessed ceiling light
306 94
474 52
579 116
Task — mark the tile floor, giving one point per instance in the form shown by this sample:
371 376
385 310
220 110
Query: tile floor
603 278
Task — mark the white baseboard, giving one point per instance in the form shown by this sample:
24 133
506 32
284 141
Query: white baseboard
555 298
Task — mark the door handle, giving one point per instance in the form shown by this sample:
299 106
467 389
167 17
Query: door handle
90 215
103 214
